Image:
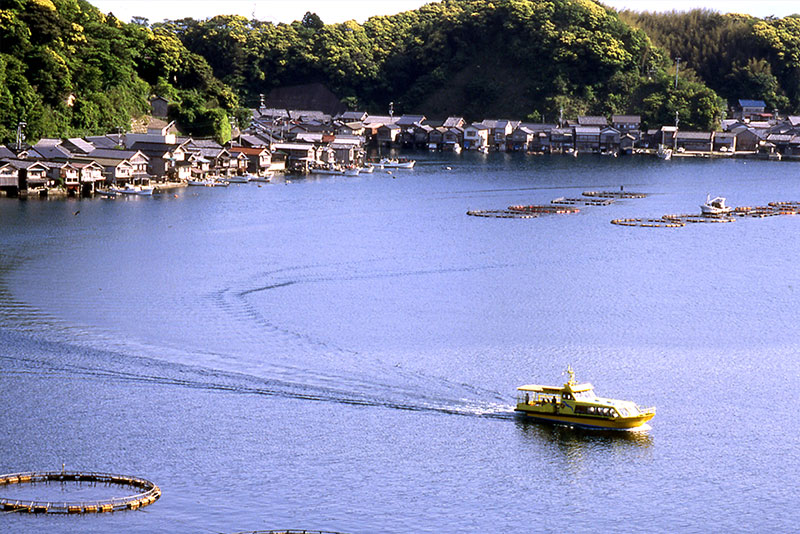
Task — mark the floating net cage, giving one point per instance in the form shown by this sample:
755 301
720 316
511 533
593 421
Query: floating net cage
679 220
143 493
289 531
501 214
614 194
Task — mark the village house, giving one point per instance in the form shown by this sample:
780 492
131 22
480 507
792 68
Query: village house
119 166
561 139
162 157
159 106
694 141
299 156
592 120
751 110
31 176
587 138
389 135
452 137
476 136
609 139
628 142
63 174
725 142
522 139
436 137
91 176
258 159
626 123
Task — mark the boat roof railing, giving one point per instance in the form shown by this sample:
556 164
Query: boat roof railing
575 388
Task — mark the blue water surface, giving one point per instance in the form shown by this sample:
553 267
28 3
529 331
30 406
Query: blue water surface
341 353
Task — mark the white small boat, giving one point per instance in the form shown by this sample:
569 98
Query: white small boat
106 193
391 163
128 189
715 207
198 183
664 153
263 178
334 172
238 179
351 172
369 169
483 149
457 148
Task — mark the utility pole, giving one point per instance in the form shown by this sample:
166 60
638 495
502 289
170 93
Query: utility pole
20 134
677 65
675 138
391 109
561 117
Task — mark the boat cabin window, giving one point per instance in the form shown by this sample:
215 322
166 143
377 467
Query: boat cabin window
584 395
566 396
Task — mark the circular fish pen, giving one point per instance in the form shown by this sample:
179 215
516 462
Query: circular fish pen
543 209
786 208
501 214
613 194
694 218
564 201
649 223
289 531
146 493
760 212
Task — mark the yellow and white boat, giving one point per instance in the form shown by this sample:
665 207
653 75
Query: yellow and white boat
576 405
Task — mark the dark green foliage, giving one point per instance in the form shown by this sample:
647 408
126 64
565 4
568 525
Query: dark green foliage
67 69
474 57
736 55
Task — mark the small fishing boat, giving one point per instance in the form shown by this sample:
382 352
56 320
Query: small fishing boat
664 153
391 163
577 405
128 189
369 169
715 207
106 193
351 171
238 179
262 178
198 183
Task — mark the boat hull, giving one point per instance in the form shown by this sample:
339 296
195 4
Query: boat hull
618 423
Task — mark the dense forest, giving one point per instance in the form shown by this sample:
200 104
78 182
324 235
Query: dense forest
478 58
738 56
68 69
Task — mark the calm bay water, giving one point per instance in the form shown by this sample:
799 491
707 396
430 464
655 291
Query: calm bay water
341 353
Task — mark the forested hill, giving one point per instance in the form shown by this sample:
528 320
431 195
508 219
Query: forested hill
738 56
68 69
478 58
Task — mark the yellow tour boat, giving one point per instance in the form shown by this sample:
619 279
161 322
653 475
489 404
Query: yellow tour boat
576 405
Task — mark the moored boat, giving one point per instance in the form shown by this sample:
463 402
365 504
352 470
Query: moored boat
664 153
391 163
238 179
128 189
715 207
577 405
261 178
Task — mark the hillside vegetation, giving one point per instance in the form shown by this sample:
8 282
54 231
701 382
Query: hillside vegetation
479 58
68 69
738 56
